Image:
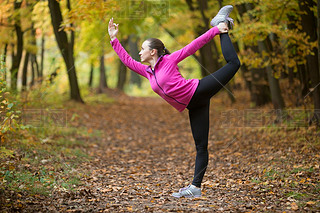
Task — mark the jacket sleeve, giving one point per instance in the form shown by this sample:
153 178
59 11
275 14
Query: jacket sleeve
196 44
128 60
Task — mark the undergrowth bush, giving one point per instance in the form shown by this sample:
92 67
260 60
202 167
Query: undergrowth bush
9 114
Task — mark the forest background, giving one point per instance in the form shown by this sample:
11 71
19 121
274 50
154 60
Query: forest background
56 54
66 43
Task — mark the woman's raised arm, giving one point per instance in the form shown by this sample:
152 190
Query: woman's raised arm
199 42
122 53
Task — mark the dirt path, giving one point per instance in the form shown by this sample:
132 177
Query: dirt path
146 152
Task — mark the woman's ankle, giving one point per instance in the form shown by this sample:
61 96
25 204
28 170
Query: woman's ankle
195 186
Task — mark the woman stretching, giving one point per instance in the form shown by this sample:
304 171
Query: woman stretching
193 94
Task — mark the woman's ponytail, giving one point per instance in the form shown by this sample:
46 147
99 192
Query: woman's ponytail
166 51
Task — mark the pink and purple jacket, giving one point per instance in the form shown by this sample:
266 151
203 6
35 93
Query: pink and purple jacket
165 79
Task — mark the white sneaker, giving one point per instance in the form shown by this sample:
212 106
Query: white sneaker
189 192
223 16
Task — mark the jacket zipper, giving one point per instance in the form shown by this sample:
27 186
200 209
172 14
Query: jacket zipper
154 73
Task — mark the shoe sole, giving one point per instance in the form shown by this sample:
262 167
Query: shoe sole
192 196
227 7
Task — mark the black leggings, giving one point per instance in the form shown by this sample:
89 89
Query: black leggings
200 102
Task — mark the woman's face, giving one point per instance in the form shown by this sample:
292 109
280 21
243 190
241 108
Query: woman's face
145 53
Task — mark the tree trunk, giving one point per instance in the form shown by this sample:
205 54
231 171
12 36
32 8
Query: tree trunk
25 71
275 91
318 30
66 48
134 52
103 79
260 88
209 61
122 76
122 73
260 92
245 72
42 58
247 76
302 90
33 57
33 69
5 60
91 76
308 21
16 59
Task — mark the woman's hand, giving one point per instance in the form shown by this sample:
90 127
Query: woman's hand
223 27
113 29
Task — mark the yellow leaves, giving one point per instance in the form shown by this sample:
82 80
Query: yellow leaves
5 10
92 10
11 167
140 173
302 181
5 153
238 154
310 203
291 46
251 58
19 204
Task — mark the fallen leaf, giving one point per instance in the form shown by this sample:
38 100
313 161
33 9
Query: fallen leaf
310 203
294 206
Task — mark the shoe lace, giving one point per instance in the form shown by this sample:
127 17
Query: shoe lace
230 20
183 189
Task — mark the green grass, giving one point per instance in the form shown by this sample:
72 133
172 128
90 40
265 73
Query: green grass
295 195
35 183
273 174
38 182
41 159
36 159
302 169
255 180
97 98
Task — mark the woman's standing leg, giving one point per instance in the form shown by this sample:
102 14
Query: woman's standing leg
199 121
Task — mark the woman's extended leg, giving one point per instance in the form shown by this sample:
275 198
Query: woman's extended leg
212 83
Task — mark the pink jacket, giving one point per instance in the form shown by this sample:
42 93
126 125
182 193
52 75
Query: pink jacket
166 79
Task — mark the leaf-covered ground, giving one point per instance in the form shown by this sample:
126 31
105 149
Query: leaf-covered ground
145 152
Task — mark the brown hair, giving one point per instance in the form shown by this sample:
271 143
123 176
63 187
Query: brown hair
157 44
